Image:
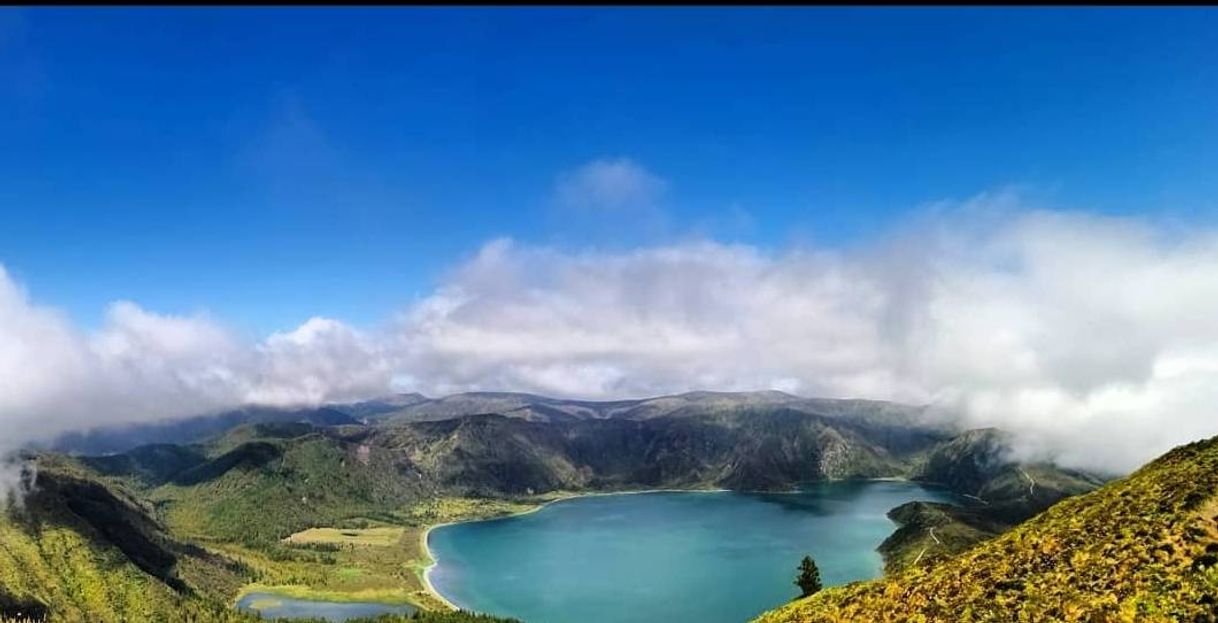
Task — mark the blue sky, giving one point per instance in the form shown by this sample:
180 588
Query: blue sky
270 165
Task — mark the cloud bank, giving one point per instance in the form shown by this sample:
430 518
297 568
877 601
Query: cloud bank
141 366
1093 338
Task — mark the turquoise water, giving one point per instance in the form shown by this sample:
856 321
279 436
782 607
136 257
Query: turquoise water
710 557
273 606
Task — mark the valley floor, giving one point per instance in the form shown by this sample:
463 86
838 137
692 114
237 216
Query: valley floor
370 561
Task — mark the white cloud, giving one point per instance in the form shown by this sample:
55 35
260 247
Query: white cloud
1092 336
609 184
141 366
323 360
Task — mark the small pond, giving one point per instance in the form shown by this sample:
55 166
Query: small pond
273 606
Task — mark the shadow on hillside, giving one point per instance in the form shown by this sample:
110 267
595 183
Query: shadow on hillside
249 455
94 511
21 609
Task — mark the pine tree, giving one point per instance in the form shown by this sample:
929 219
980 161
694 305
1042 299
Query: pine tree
809 577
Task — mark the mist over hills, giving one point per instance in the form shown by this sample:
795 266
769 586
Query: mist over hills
407 408
110 439
534 407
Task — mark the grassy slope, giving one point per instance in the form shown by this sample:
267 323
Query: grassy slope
74 562
1144 548
1003 493
930 532
310 480
390 573
81 549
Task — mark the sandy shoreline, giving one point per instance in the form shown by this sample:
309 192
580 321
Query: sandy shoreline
427 585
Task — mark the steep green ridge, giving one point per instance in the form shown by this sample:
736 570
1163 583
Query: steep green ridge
1144 548
79 549
306 476
190 430
978 463
753 448
322 476
1003 492
930 532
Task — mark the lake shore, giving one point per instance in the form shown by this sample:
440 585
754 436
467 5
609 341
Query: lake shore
424 537
884 488
307 593
425 594
432 561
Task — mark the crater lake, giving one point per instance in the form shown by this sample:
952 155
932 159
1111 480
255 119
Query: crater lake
712 557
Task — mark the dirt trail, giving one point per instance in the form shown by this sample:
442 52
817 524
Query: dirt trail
1031 483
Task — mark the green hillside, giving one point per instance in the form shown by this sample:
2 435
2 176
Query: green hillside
930 532
978 463
1001 493
79 549
310 479
1144 548
746 448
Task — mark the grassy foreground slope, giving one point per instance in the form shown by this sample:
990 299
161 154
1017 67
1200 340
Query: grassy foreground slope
1144 548
80 548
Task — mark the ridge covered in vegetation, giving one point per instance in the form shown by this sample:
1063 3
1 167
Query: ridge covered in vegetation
1143 548
1001 492
79 549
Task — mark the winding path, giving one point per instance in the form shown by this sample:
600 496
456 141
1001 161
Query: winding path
923 552
1031 483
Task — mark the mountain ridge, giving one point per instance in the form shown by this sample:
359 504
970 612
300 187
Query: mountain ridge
412 407
501 456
